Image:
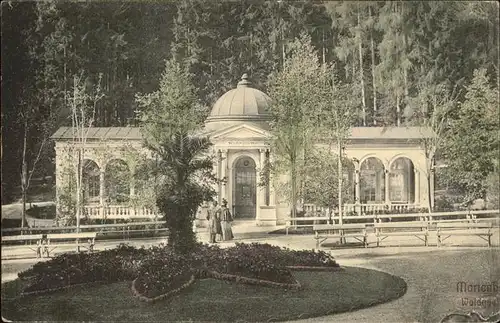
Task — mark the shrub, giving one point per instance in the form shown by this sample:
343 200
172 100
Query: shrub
492 191
42 212
161 269
286 257
443 204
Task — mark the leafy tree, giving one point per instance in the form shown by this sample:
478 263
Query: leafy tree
294 108
337 116
321 173
472 145
430 110
169 118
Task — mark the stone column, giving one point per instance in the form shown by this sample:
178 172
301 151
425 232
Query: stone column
262 189
386 179
224 174
417 186
357 179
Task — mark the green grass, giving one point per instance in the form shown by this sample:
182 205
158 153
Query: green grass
211 300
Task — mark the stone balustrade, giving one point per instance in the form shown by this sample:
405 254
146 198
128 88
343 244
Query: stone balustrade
118 212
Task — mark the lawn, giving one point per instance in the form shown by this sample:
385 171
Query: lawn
211 300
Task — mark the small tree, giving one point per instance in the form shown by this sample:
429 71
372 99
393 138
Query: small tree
169 118
37 130
294 91
337 115
82 100
322 171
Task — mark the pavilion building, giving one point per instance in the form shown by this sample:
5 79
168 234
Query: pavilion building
388 163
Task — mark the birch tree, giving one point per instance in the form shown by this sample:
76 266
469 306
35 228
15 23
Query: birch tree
83 102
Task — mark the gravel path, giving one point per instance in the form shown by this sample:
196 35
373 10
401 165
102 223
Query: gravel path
432 279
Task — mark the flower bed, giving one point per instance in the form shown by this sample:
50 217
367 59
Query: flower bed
112 265
285 256
159 271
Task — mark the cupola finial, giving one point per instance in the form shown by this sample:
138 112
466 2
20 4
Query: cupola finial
244 80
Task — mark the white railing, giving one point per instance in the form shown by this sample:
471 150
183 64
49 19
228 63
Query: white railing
431 218
118 212
360 209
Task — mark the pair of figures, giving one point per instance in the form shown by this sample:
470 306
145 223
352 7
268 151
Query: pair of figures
219 222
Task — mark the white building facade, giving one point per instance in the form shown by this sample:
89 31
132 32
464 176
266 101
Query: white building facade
388 164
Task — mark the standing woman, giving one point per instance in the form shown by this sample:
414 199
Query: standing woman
214 226
225 220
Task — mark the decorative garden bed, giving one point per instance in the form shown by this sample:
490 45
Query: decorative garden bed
159 272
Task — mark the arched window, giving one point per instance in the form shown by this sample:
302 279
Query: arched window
90 180
372 181
402 181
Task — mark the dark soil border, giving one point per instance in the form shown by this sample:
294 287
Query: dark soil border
206 274
163 296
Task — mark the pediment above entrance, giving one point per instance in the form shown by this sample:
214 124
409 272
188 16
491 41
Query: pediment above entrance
241 132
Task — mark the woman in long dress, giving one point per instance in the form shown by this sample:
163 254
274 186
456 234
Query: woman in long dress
225 221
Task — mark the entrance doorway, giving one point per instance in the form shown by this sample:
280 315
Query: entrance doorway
244 188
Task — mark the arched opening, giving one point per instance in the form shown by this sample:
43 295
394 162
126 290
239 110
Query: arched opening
244 188
90 181
117 181
372 181
402 181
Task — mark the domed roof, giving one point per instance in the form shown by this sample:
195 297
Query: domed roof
244 102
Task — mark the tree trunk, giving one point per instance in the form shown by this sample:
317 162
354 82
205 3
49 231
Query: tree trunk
372 49
324 50
78 190
24 189
340 181
405 53
361 74
24 175
294 189
429 193
398 111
